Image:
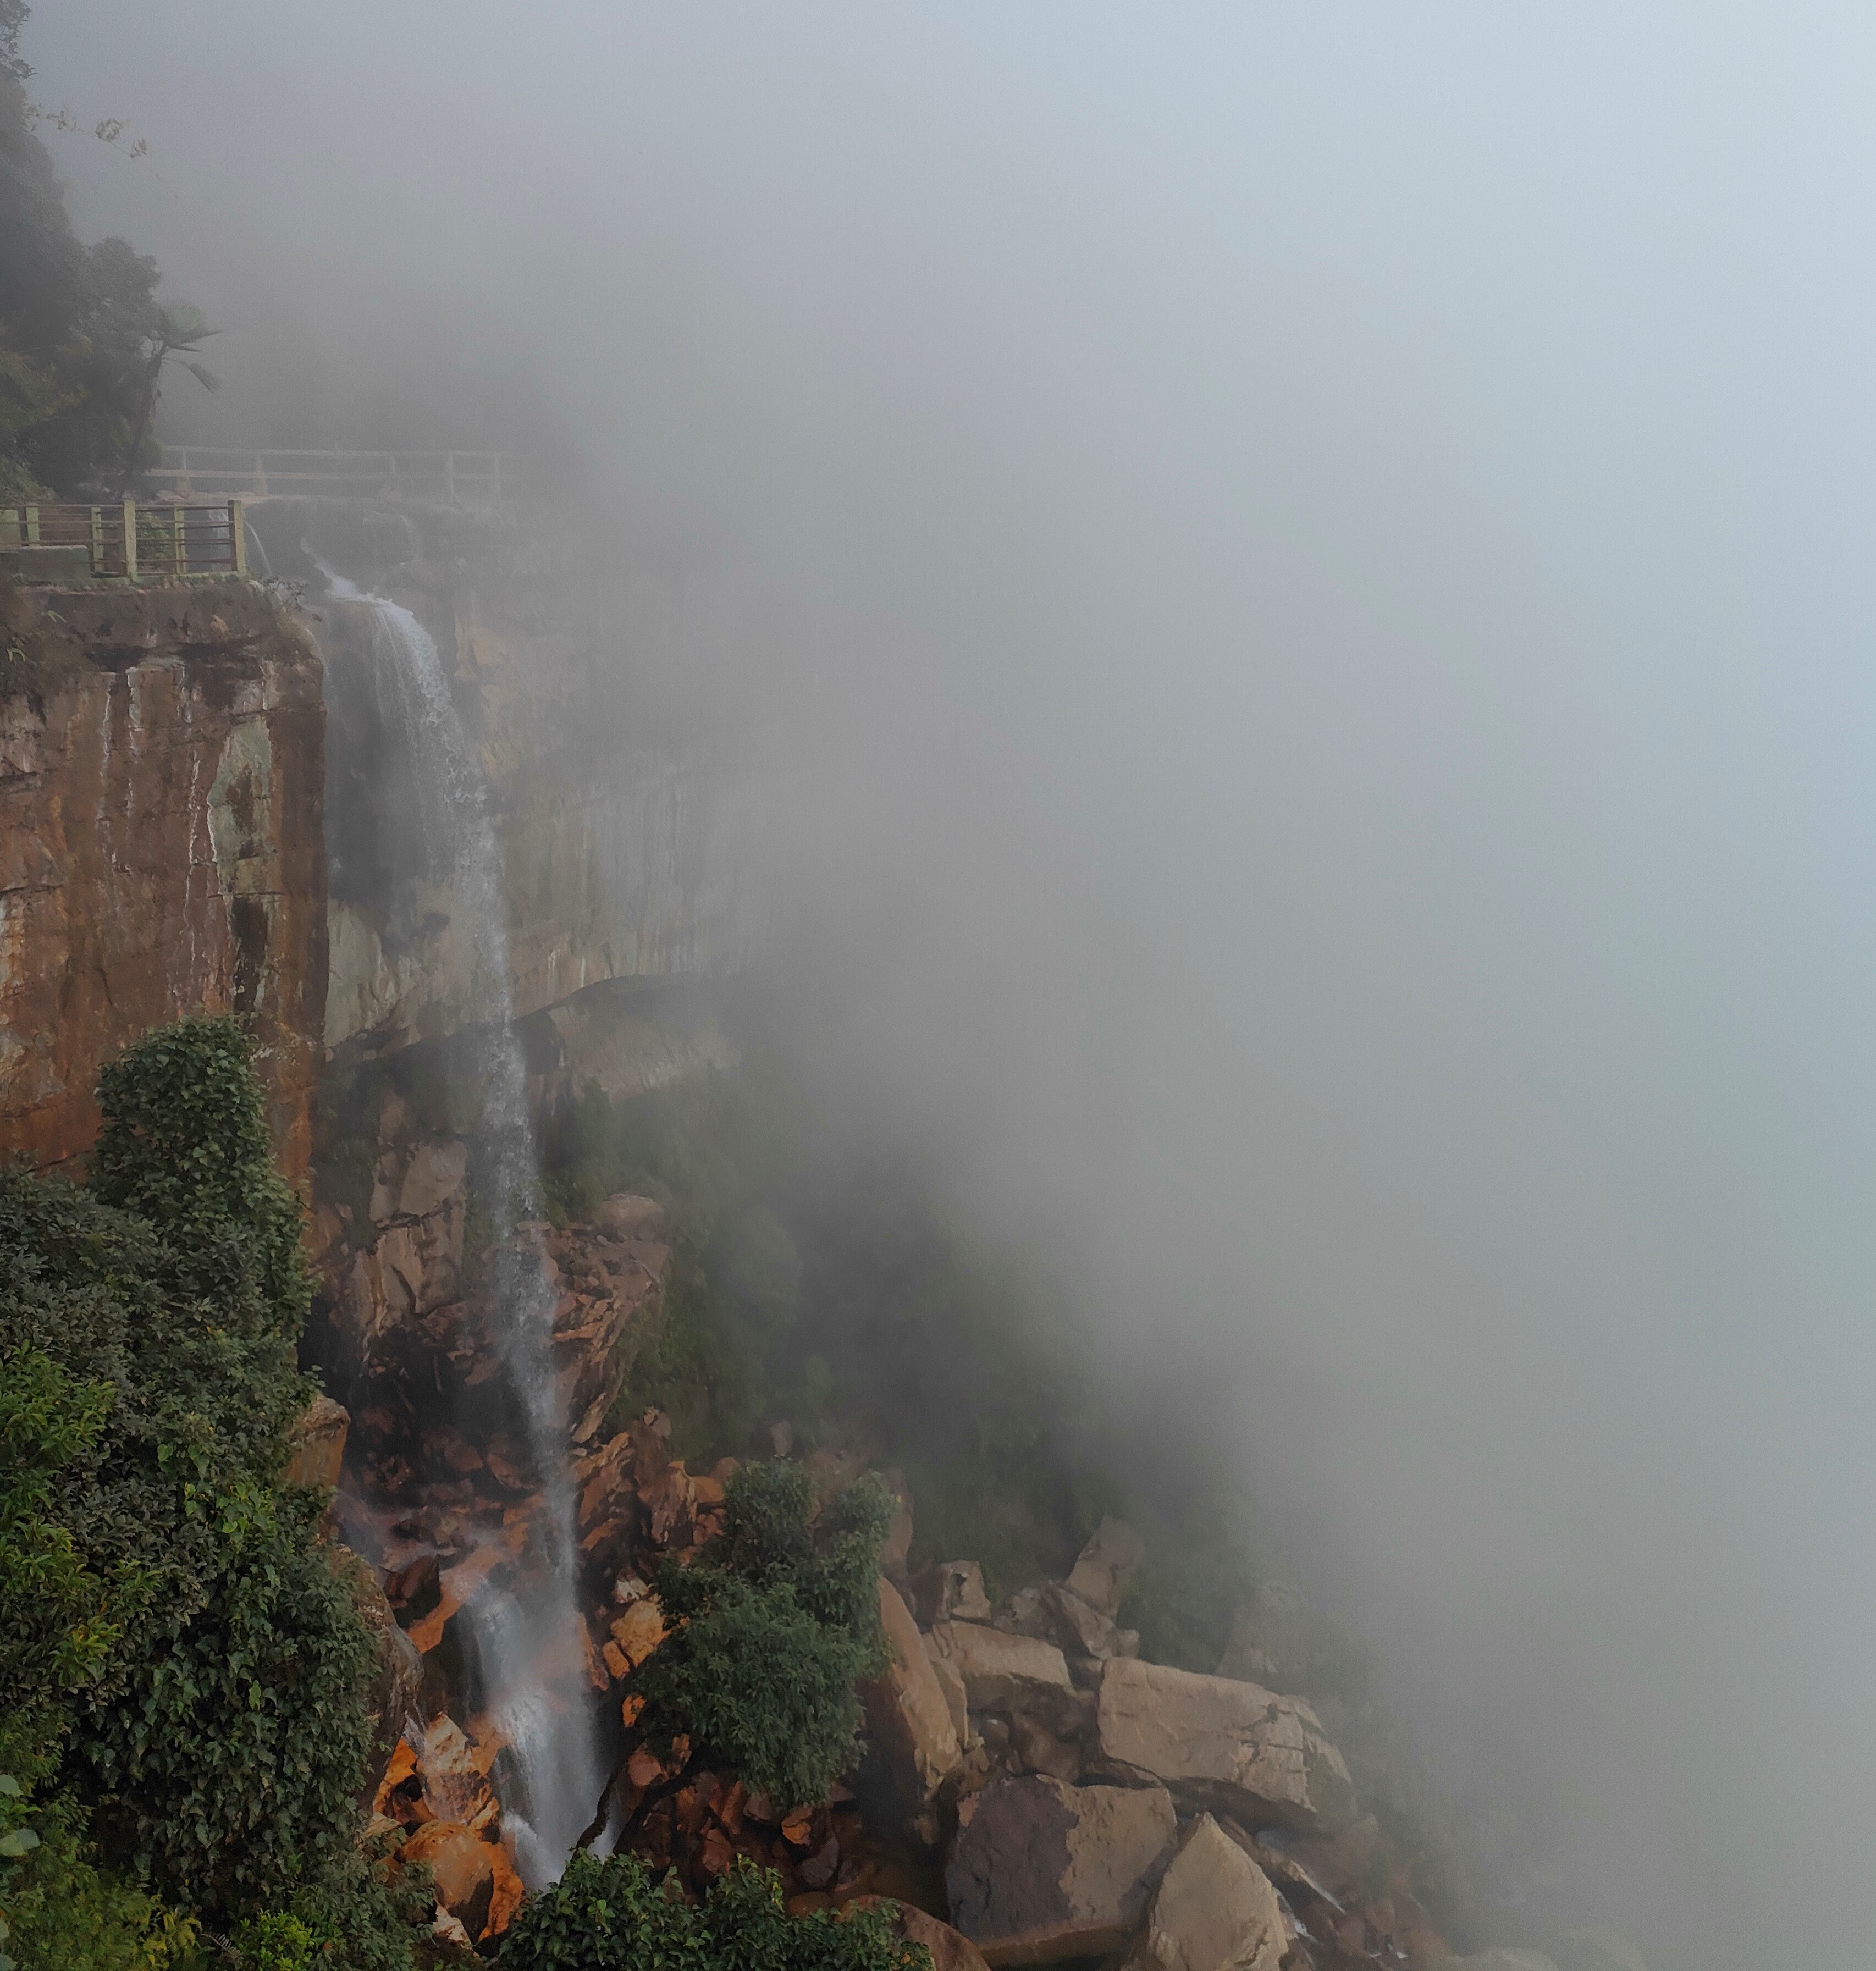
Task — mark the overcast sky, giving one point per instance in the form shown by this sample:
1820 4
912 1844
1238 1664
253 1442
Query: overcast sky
1334 542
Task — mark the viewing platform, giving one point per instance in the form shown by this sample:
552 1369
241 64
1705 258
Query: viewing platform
124 541
456 478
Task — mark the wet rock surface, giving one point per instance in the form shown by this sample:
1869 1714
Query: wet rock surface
1248 1750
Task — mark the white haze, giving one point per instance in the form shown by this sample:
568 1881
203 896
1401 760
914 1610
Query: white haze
1329 549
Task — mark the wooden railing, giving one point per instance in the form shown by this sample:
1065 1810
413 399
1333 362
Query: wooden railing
458 478
130 540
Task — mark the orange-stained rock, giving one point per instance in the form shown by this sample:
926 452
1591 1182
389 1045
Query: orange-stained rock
461 1865
505 1898
640 1630
403 1764
162 846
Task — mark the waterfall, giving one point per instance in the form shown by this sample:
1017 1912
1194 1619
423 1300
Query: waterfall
530 1656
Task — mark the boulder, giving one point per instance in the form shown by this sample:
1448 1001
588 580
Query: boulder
1596 1948
625 1215
1000 1671
1215 1909
1042 1871
609 1288
462 1867
396 1670
1107 1566
316 1445
1221 1743
455 1784
949 1591
952 1684
950 1949
907 1716
1082 1630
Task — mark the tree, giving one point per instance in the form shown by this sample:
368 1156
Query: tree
168 333
612 1916
193 1672
776 1621
83 340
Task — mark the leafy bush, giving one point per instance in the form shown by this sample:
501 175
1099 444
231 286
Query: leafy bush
194 1674
612 1916
58 1912
777 1621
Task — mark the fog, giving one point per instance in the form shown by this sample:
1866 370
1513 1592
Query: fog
1317 562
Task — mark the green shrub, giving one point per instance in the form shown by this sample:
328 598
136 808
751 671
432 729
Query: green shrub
777 1621
58 1912
192 1674
612 1916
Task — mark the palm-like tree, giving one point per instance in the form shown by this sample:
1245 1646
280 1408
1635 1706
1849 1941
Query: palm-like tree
171 333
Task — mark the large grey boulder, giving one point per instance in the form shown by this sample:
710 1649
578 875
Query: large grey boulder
1106 1570
1215 1909
1221 1743
1001 1672
908 1714
1043 1871
1596 1948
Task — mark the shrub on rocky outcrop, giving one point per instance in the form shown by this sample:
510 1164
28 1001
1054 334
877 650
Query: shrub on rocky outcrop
615 1916
774 1625
192 1673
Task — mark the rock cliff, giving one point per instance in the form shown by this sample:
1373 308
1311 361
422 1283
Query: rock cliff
162 849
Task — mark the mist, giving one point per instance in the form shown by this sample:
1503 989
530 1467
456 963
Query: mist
1310 567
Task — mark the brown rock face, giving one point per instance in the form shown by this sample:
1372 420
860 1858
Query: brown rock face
1232 1745
907 1713
162 847
1043 1871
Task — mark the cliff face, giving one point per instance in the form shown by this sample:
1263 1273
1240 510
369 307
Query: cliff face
162 850
626 857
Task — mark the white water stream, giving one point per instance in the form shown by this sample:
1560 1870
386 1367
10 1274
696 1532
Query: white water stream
530 1654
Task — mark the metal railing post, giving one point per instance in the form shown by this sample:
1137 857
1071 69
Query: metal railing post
237 534
130 540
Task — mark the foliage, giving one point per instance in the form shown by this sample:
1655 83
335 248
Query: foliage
276 1942
12 18
777 1620
185 1145
57 1623
58 1912
199 1672
612 1916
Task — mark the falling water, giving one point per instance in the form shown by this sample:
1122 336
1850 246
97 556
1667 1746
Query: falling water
529 1655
